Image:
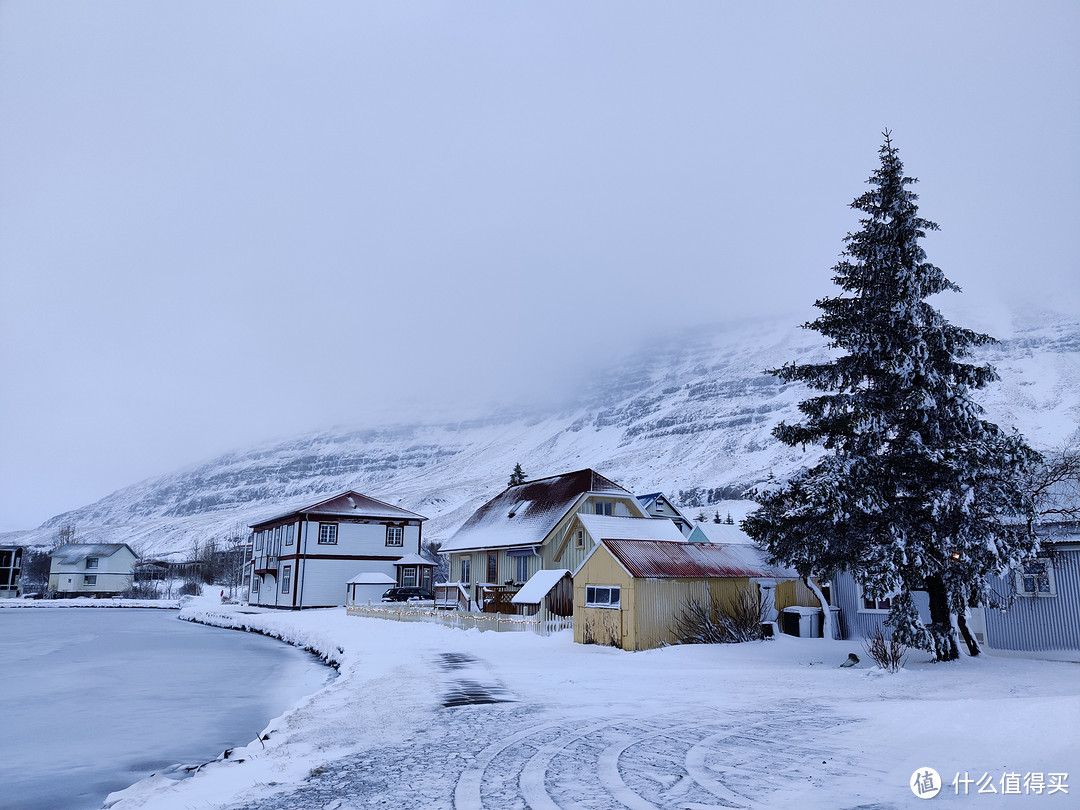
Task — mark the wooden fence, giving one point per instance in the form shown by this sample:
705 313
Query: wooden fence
463 620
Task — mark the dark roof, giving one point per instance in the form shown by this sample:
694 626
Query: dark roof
652 496
75 552
525 514
348 504
652 559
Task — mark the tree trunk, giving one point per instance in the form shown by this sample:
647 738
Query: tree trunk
972 644
942 635
826 618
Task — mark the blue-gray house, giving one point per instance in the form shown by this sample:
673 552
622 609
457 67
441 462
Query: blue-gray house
1039 602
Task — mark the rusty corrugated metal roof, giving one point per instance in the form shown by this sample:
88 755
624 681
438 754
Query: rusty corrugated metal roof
652 559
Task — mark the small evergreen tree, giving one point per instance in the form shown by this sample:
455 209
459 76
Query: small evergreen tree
917 491
716 517
729 521
517 476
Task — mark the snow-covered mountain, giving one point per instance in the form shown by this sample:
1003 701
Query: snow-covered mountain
690 416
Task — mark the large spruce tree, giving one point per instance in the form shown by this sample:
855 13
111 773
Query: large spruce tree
916 490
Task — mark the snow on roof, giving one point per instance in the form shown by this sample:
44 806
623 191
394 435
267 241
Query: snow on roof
629 528
524 515
349 503
645 500
415 559
75 552
649 559
371 578
723 533
539 586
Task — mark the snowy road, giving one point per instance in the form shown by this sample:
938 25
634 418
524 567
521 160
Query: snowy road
488 749
427 717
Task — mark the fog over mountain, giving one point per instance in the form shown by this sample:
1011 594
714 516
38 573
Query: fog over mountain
691 416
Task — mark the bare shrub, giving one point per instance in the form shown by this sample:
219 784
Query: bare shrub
887 651
709 624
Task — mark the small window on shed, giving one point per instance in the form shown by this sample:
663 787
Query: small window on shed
602 596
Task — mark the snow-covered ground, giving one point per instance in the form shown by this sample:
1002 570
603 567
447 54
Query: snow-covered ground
770 724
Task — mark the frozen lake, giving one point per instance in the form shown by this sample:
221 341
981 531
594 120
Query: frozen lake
94 699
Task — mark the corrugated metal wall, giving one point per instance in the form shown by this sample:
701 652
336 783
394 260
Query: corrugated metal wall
657 601
1039 623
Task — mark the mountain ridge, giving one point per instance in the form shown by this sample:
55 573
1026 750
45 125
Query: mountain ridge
691 414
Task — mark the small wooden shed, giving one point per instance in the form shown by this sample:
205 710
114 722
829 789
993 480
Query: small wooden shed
627 593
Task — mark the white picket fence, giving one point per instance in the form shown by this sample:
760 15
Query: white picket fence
463 620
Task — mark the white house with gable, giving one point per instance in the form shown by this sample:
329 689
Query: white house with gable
91 569
306 557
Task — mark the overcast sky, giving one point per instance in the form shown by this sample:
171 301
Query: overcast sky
222 223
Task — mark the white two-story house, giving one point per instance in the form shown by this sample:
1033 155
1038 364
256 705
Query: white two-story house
91 569
306 557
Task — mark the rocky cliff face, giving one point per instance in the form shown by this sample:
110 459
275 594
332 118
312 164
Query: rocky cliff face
693 415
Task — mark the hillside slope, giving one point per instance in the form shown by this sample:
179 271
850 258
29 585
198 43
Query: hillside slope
689 414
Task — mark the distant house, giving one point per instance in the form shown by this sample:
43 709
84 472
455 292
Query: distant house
719 533
628 592
656 504
91 569
524 529
10 571
1039 602
305 557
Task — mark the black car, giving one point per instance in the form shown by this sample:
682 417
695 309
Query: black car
407 594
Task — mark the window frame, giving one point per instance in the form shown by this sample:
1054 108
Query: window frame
604 508
1047 575
89 579
400 530
255 584
579 539
522 569
93 562
493 568
258 541
286 578
592 592
883 605
466 570
408 572
331 534
290 534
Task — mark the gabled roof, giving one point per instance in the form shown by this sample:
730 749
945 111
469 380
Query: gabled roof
645 500
76 552
723 533
524 515
539 586
601 527
348 504
649 559
372 578
415 559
